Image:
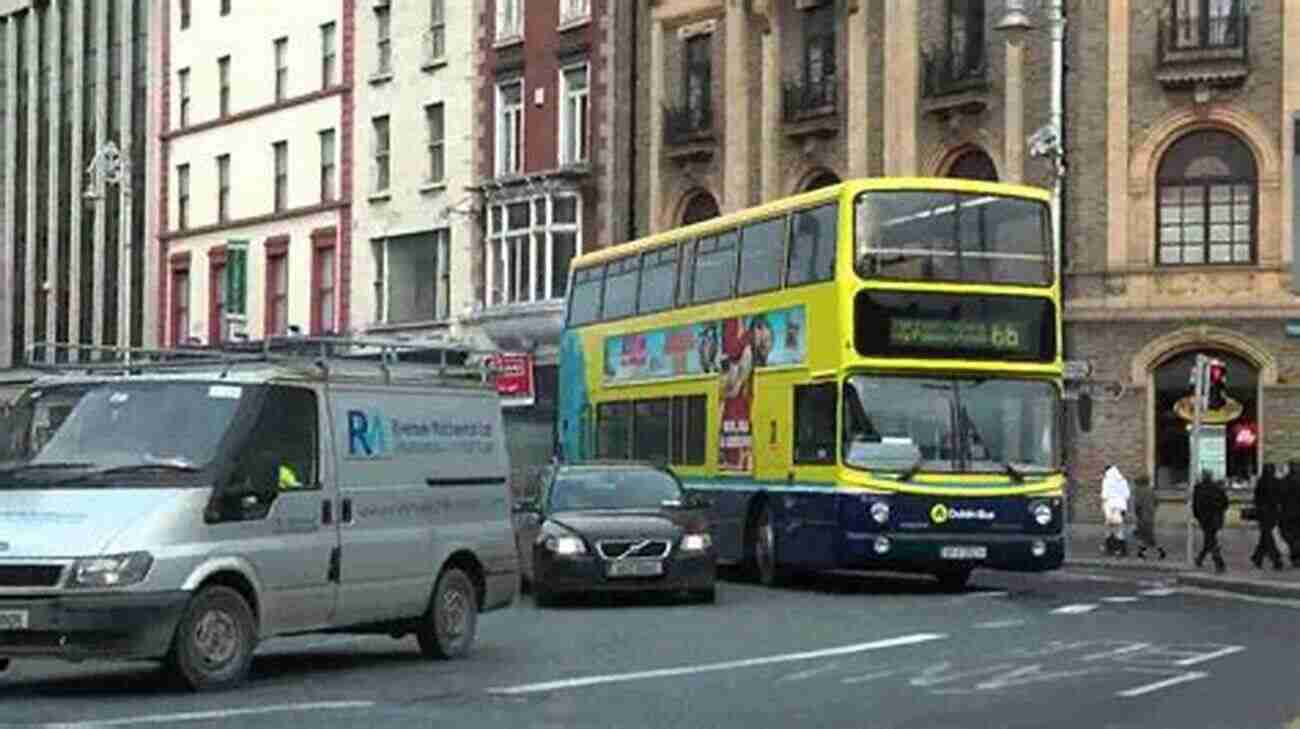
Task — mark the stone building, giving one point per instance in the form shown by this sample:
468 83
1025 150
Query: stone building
1178 199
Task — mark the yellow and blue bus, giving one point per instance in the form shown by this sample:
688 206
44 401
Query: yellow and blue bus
866 376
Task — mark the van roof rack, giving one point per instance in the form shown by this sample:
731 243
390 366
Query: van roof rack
324 357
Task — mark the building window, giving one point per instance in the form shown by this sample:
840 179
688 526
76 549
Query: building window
418 277
965 38
510 19
223 79
383 41
323 277
183 84
281 150
327 165
574 11
277 288
699 82
327 55
223 188
819 56
436 49
281 68
1207 184
185 14
433 121
974 164
381 154
225 7
182 197
510 127
1207 24
530 244
180 302
573 115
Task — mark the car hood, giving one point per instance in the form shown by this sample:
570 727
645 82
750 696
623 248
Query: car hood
645 524
73 522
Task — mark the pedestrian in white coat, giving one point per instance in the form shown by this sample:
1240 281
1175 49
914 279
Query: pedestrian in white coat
1115 496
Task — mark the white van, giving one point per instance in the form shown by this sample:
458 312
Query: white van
183 510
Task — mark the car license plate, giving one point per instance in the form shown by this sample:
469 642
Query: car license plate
964 552
13 620
635 568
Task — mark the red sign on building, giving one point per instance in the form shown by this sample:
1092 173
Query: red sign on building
515 382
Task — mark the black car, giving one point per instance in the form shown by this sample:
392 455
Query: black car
614 526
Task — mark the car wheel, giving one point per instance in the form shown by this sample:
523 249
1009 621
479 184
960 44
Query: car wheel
543 597
214 642
451 621
955 579
525 584
765 550
4 665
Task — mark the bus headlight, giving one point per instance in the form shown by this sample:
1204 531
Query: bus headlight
880 512
566 546
696 542
1042 513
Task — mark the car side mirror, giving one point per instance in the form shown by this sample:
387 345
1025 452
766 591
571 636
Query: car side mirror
699 501
1085 412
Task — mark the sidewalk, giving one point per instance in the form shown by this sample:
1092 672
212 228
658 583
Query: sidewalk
1085 550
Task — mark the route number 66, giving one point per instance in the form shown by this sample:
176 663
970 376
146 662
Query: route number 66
1005 336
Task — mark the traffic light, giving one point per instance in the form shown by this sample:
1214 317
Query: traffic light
1216 398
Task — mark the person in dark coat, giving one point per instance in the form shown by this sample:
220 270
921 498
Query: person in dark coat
1288 521
1209 503
1268 507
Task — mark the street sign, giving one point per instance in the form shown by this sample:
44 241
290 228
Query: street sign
1078 369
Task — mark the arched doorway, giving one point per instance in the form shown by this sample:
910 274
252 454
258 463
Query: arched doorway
822 178
1230 445
973 163
700 207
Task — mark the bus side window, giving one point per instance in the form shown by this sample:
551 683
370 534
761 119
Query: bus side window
813 238
814 424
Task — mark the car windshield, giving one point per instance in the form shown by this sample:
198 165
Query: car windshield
116 425
950 425
613 489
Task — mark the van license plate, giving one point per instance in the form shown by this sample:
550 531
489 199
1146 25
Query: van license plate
635 568
13 620
964 552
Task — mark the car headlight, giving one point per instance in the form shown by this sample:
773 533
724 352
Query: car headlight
114 571
1042 513
880 512
566 546
696 542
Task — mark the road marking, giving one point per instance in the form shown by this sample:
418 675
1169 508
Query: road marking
865 677
206 715
1074 609
1118 652
569 683
801 675
1183 678
993 593
1158 592
1121 599
1226 651
995 624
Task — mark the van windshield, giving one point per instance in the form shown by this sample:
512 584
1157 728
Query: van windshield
167 425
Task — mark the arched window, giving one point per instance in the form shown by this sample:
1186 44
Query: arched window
701 206
824 178
1207 196
974 164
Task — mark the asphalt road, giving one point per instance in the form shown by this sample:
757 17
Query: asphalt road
1060 650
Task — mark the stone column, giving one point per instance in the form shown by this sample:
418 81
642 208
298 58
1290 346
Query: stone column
30 173
1290 106
1117 152
54 118
737 174
1013 152
902 59
100 290
856 90
770 130
10 123
656 114
77 164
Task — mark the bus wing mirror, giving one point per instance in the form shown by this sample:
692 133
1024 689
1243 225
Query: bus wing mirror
1085 412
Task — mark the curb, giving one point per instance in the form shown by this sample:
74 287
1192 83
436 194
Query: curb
1256 588
1130 565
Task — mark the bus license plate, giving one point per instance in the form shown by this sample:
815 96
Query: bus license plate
964 552
13 620
637 568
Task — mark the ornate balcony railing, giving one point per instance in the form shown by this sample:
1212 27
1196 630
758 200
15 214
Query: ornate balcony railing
945 73
684 124
809 98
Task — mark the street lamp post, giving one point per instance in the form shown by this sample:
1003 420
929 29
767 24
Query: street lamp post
112 166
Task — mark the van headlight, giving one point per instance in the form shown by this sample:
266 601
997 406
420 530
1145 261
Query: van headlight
696 542
1042 513
114 571
566 546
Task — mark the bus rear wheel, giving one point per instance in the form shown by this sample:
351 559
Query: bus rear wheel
763 539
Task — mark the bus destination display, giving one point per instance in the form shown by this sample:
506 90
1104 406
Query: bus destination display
1017 328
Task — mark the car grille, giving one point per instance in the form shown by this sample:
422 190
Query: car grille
30 575
633 548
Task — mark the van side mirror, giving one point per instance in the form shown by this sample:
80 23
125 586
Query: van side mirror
1084 404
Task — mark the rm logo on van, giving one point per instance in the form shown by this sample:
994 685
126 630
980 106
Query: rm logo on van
367 435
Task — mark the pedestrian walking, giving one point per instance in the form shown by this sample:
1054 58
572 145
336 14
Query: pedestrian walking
1115 496
1288 521
1144 513
1268 508
1209 503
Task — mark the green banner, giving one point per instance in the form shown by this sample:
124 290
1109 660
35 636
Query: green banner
237 277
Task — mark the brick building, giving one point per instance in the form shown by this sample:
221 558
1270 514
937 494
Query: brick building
1178 203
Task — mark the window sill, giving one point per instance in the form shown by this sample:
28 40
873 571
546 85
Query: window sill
381 197
508 42
574 24
380 77
432 187
433 64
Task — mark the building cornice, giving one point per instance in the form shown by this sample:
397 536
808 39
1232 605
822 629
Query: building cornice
255 112
283 215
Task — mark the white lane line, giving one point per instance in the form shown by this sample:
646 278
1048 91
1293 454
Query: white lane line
996 624
1182 678
569 683
1117 652
207 715
802 675
1158 592
995 593
865 677
1074 609
1229 650
1121 599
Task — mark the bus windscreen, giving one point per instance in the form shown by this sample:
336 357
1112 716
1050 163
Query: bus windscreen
955 326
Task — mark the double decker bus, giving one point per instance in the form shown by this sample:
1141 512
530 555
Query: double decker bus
866 376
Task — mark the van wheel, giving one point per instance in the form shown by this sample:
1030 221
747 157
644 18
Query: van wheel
214 642
4 665
448 627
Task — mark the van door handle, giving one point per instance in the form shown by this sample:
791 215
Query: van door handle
347 511
327 512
